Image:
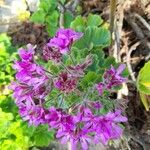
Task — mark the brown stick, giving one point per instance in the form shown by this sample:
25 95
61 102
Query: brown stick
133 47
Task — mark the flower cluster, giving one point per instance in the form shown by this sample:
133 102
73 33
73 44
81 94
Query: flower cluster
79 123
112 77
31 87
85 127
65 82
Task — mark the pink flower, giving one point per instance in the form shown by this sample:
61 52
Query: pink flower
75 136
107 127
32 85
64 39
78 70
32 113
112 78
27 54
100 87
65 83
52 53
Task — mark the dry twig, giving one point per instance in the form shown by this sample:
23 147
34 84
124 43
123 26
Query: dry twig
133 47
131 20
145 23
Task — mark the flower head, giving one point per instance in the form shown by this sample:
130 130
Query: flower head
31 86
52 53
32 113
27 54
65 82
100 87
70 34
64 39
112 77
78 70
107 128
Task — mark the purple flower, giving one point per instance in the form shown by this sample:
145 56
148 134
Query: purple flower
31 86
75 136
33 113
81 125
112 77
100 87
27 54
107 127
64 39
65 83
62 44
96 105
53 117
30 73
69 33
78 70
52 53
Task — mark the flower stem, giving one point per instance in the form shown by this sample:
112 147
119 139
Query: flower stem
72 59
48 72
65 68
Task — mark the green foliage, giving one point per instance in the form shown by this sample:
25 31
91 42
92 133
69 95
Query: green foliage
14 133
48 14
143 84
6 58
89 79
95 34
42 137
83 22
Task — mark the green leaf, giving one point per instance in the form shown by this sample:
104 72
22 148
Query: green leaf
68 18
52 19
42 136
108 62
94 20
145 100
86 40
94 37
101 36
44 5
52 23
99 52
38 17
5 39
143 85
78 23
143 81
48 5
94 67
89 79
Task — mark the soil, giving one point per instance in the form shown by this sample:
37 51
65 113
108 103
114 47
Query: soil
137 134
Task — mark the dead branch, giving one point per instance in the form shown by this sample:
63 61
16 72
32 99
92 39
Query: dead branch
133 47
131 20
144 22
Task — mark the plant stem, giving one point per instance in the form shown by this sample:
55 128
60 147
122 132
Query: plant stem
65 68
112 14
49 72
72 59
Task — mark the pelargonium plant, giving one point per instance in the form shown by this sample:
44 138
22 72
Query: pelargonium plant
56 97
